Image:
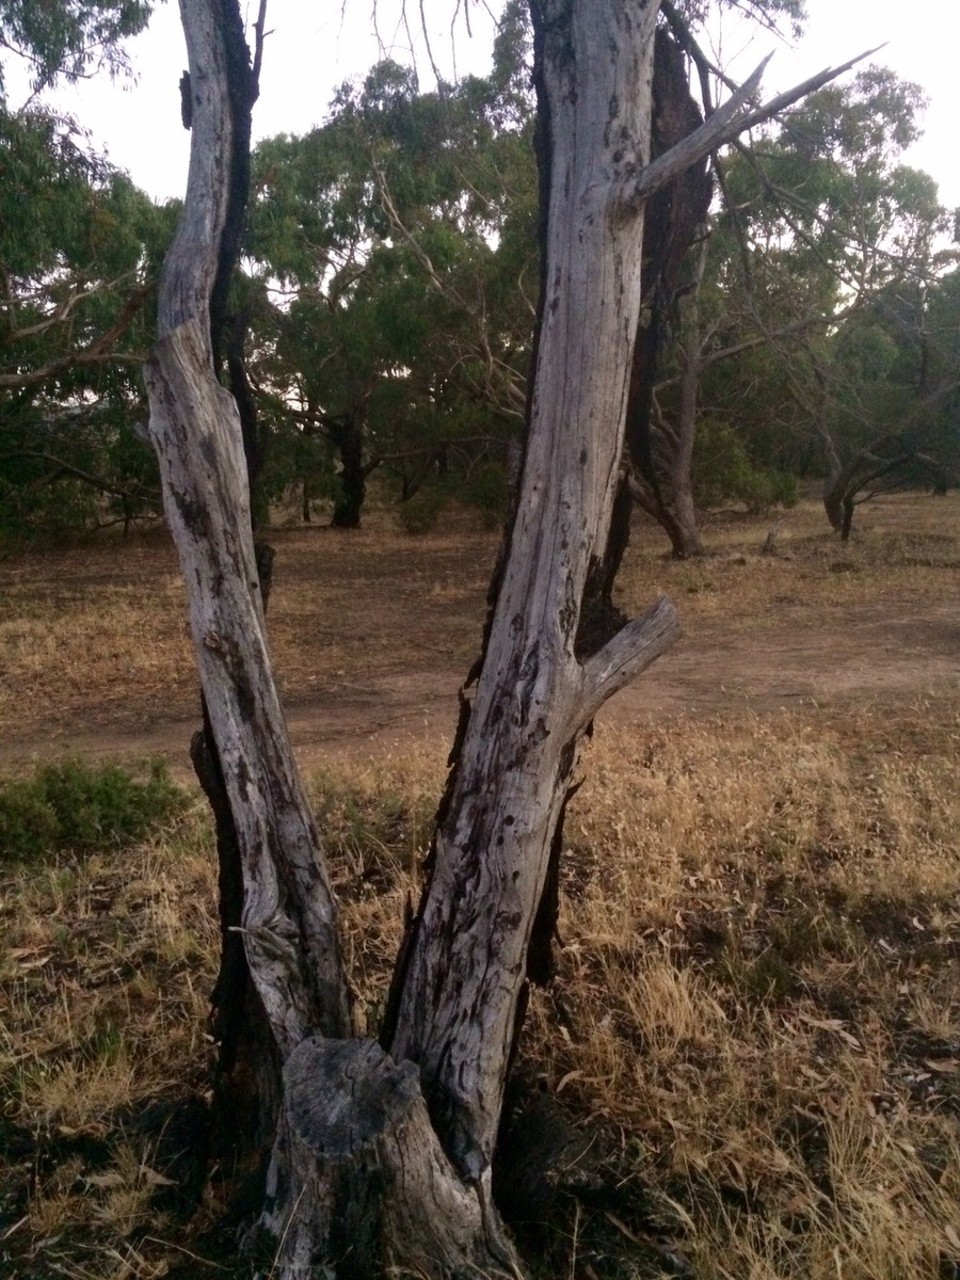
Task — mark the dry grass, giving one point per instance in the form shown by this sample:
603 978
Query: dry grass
97 636
757 1006
104 974
758 982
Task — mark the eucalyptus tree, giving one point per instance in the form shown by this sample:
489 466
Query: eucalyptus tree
68 39
826 233
79 247
401 329
383 1151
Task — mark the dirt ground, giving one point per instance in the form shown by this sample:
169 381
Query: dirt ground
373 631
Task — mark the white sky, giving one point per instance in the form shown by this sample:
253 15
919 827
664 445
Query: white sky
314 48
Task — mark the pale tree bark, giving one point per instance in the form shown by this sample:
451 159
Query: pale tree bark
382 1160
460 984
289 924
457 996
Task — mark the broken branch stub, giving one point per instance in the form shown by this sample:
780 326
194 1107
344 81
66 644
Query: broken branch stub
358 1165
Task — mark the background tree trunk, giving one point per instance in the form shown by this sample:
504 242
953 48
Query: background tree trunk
347 435
661 455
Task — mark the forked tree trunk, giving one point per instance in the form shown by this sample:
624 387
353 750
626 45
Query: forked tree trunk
382 1160
385 1161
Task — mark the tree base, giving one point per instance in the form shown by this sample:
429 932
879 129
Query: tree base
358 1183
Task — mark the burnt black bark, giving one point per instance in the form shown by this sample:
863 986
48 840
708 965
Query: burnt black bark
347 436
246 1092
675 216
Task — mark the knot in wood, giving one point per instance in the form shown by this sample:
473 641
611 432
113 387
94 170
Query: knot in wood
344 1095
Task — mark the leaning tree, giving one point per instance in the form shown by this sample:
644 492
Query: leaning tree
382 1154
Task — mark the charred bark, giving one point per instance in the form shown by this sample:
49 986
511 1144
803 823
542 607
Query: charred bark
347 436
246 1085
675 219
255 437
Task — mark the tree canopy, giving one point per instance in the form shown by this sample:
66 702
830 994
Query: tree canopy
390 282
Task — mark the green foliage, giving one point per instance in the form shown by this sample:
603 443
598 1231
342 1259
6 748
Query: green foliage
399 231
824 275
79 246
69 38
723 471
772 13
487 490
79 249
82 808
420 513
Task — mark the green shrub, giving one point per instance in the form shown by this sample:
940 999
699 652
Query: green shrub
420 513
487 489
723 471
81 807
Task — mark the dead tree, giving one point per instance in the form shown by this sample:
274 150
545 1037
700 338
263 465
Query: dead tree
383 1153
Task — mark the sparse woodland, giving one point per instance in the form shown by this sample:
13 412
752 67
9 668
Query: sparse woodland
657 989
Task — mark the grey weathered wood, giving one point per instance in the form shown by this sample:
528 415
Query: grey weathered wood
289 919
359 1182
458 1005
727 122
358 1176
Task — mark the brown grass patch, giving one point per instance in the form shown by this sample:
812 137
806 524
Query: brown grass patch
757 1010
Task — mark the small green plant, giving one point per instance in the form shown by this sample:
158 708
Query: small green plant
488 491
419 513
82 807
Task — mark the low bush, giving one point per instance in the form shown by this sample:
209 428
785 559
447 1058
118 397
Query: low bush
82 807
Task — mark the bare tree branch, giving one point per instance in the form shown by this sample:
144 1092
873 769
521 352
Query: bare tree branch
96 482
723 126
99 352
259 36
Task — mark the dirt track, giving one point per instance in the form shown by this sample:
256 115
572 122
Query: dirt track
372 634
870 655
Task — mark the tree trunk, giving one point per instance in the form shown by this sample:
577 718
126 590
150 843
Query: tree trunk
457 993
686 535
661 456
460 982
288 916
348 438
405 1180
